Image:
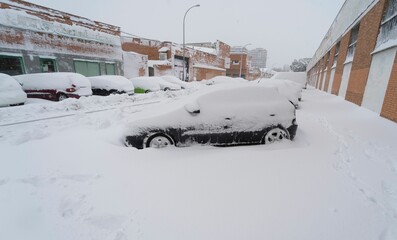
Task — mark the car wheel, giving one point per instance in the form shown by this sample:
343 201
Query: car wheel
62 97
159 140
167 89
274 135
147 91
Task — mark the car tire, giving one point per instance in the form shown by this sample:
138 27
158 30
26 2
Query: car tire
61 97
147 91
166 89
274 135
158 140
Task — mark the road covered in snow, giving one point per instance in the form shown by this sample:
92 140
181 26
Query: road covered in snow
65 174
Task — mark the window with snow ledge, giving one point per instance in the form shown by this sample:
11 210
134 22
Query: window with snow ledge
236 62
352 44
387 37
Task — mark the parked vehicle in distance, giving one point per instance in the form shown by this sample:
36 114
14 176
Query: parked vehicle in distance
55 86
152 84
220 116
111 84
177 81
285 87
11 93
297 77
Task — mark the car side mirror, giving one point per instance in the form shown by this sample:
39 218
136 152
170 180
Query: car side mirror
192 108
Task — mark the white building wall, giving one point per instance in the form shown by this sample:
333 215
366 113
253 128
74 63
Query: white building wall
378 79
345 79
331 80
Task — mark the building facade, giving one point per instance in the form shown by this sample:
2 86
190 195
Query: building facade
239 63
36 39
202 61
258 57
357 59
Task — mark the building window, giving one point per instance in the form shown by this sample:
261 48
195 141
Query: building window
236 62
352 43
388 28
11 65
86 68
163 56
48 65
110 69
336 54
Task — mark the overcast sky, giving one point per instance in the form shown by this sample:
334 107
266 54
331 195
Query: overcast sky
288 29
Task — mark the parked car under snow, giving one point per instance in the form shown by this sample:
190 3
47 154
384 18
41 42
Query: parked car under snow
220 116
152 84
55 86
177 81
110 84
287 88
11 93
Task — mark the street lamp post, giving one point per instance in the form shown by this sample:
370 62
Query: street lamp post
184 61
241 57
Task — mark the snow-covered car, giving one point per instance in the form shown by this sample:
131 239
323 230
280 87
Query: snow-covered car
111 84
11 93
220 116
177 81
297 77
285 87
55 86
152 84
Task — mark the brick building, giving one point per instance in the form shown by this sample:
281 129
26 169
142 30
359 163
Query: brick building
357 59
239 61
202 60
37 39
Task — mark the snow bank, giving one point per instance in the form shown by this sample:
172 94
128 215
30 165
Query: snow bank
73 179
224 80
10 91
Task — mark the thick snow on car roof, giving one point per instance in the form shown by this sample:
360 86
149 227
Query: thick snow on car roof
110 82
224 80
285 87
10 91
59 80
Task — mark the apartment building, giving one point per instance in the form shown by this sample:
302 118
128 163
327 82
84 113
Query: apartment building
357 58
37 39
258 57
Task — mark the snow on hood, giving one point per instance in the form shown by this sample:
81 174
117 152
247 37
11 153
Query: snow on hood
249 107
10 91
59 81
111 82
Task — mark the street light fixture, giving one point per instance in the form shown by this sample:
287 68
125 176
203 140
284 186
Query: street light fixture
184 17
241 57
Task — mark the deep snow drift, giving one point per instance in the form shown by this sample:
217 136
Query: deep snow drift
71 177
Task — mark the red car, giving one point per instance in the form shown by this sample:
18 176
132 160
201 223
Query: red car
55 86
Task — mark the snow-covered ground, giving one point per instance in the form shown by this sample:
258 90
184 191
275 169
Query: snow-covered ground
70 177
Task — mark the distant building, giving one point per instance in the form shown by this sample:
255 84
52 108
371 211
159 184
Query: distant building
357 58
239 62
258 57
202 60
36 39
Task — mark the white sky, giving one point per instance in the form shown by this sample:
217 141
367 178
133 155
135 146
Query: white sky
288 29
